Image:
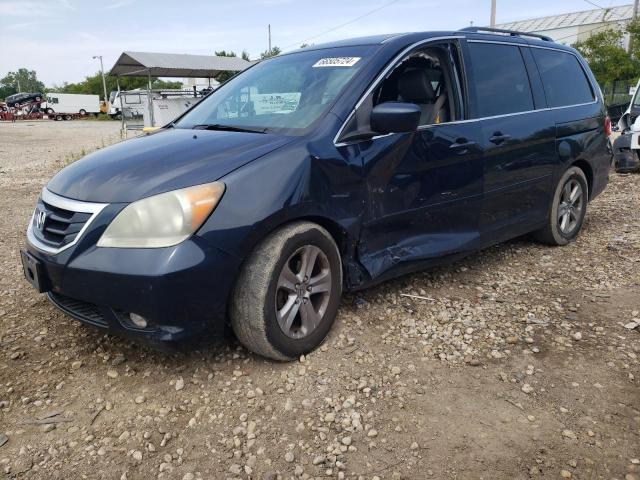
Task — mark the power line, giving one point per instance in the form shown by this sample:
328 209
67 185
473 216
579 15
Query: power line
388 4
594 4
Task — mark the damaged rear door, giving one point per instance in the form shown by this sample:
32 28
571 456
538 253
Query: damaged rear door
424 188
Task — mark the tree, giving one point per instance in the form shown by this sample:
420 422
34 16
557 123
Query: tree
607 58
93 84
27 79
270 53
224 76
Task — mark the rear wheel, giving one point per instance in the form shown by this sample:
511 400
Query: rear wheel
83 112
568 209
288 292
59 117
68 117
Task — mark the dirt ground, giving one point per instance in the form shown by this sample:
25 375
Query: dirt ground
519 362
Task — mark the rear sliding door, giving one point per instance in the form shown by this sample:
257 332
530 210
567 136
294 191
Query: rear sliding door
518 139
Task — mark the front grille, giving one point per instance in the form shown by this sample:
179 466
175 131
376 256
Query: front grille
60 226
84 311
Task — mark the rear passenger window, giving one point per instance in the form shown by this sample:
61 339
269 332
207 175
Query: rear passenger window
501 80
565 82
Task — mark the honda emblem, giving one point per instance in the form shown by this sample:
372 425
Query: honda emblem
41 217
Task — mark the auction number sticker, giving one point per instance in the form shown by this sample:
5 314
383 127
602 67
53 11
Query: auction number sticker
337 62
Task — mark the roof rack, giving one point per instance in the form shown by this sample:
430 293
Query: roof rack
512 33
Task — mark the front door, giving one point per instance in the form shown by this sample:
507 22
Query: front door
424 188
425 192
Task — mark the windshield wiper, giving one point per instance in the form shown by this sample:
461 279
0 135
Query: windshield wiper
229 128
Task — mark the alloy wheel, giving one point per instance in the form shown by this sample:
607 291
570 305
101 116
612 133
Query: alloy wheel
570 207
303 292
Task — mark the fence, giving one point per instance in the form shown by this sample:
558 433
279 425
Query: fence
617 92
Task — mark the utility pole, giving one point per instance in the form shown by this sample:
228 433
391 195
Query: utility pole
633 17
269 29
493 14
104 82
19 91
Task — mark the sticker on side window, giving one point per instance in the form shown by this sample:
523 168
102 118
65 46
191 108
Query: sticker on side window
336 62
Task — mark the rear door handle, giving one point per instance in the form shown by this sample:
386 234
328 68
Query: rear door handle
499 137
462 146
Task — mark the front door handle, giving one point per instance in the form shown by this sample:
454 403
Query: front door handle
461 146
499 137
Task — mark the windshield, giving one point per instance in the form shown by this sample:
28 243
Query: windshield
286 93
636 97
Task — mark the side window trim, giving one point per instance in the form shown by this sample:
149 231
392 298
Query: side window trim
462 41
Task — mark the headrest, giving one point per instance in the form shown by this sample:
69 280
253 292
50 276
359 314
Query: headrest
414 86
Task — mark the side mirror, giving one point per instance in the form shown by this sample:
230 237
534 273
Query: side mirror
395 117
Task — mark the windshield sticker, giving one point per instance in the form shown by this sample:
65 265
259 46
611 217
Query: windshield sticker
336 62
267 103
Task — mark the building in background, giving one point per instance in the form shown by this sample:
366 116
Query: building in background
568 28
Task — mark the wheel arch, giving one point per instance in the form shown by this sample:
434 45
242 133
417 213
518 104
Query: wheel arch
588 173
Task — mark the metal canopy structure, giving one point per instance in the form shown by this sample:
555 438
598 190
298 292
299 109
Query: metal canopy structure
587 17
175 65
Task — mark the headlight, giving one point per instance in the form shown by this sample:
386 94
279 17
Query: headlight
162 220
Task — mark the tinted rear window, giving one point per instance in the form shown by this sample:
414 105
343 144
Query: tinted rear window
501 80
565 82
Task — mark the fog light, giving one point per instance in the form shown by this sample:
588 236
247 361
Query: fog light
138 320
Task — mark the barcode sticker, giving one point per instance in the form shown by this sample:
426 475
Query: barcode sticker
337 62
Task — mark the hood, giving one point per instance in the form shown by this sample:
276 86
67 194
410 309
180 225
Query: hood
168 160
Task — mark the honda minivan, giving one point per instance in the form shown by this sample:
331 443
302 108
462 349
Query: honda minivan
317 172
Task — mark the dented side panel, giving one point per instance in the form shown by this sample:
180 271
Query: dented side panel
310 179
424 195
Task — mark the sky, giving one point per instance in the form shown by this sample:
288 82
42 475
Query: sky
58 38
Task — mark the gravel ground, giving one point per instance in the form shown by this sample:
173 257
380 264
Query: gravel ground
519 362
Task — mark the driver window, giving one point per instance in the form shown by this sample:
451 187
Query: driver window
423 78
427 77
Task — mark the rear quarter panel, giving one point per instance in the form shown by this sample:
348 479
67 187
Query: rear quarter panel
580 136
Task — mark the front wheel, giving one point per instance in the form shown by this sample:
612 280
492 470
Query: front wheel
568 209
82 112
288 292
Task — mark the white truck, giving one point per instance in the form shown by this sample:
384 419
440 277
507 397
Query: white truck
71 104
626 148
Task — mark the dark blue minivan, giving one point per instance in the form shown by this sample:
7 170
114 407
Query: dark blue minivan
321 171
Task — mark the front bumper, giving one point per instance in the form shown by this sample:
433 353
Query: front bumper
625 156
181 291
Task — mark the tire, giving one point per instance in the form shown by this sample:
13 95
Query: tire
59 117
262 292
68 117
566 216
82 112
50 111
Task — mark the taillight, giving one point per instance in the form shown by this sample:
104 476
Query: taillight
607 126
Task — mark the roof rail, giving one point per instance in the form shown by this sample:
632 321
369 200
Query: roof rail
512 33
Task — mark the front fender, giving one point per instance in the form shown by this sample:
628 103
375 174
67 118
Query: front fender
297 182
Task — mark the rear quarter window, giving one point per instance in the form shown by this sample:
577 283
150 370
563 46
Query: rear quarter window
565 81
